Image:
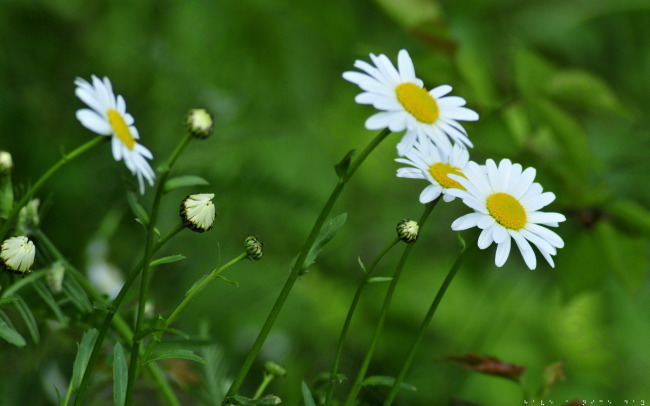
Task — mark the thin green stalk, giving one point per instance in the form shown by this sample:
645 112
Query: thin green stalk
197 288
119 323
112 312
295 271
356 386
146 266
268 378
39 183
348 319
423 327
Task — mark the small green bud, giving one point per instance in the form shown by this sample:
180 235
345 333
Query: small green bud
28 219
274 369
199 123
408 230
54 277
253 248
6 163
198 212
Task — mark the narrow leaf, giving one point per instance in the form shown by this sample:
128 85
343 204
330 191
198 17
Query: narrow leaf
378 279
138 210
28 317
306 395
341 168
83 355
10 335
328 232
363 267
77 295
47 297
167 260
184 354
184 181
386 381
230 281
120 375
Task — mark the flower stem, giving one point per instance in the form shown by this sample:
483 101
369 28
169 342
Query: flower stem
146 267
119 323
348 319
356 386
295 271
199 286
423 327
39 183
112 313
268 378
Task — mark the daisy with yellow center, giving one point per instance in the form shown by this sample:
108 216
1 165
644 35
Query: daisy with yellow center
506 205
435 164
406 105
107 116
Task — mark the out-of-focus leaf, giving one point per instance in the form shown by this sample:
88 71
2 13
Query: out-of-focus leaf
631 214
517 121
176 353
341 168
627 256
386 381
532 72
167 260
77 295
378 279
306 395
473 64
582 266
47 297
184 181
28 317
120 375
268 400
83 355
138 210
328 232
584 90
10 335
411 13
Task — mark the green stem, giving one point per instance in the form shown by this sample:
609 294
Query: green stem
119 323
423 327
295 271
356 386
146 267
39 183
348 319
112 313
268 378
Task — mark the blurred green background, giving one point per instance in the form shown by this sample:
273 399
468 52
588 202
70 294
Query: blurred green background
560 85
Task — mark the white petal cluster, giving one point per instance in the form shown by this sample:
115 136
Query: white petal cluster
198 212
17 254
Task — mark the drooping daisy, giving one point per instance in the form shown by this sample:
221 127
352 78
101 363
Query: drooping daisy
435 164
107 116
406 105
506 205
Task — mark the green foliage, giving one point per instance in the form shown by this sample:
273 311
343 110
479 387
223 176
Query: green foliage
120 375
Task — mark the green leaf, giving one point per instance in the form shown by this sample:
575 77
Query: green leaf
77 295
6 196
342 167
626 255
573 262
120 375
103 306
184 181
583 89
7 300
379 279
230 281
386 381
47 297
175 353
141 215
631 215
268 400
10 335
328 231
28 317
306 395
361 264
83 355
167 260
532 72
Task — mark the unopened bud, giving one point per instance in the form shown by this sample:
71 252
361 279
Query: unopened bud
17 255
198 212
408 230
199 123
274 369
253 248
28 219
6 163
54 277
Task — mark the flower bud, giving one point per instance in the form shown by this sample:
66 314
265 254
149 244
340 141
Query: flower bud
274 369
6 163
253 248
17 255
198 212
408 230
28 219
54 277
199 123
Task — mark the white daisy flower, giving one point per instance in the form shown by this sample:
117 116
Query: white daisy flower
17 255
434 163
198 212
406 105
107 116
506 205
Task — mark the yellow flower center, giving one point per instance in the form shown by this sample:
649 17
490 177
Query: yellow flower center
440 170
507 210
120 128
417 101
